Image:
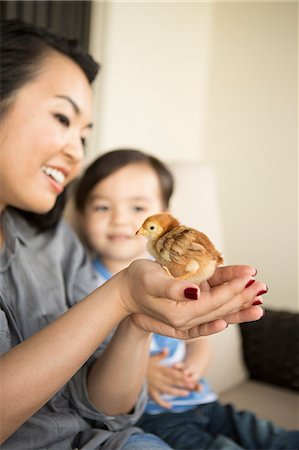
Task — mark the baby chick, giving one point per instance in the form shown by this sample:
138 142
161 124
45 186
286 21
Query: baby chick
184 252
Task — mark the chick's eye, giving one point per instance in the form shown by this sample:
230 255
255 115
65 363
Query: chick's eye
64 120
83 141
152 227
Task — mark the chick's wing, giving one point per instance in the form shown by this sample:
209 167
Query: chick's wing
180 244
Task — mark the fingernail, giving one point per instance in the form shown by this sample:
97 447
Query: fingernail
257 302
264 291
255 271
191 293
250 282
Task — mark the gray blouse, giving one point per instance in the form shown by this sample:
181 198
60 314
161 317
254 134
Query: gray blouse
42 274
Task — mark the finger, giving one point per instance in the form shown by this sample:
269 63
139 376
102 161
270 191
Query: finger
250 314
160 356
159 400
176 392
227 273
178 366
179 380
212 327
232 296
198 387
151 325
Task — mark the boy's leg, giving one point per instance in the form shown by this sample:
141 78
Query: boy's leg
145 441
214 426
182 431
248 431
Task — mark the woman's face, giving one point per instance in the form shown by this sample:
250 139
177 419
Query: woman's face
42 135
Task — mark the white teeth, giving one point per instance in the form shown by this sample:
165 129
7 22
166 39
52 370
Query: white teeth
56 174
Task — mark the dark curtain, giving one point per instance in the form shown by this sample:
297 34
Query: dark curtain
70 18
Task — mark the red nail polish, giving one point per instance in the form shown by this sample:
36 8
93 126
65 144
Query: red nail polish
250 282
264 291
191 293
257 302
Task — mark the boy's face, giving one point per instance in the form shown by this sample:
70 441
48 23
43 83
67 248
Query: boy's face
117 207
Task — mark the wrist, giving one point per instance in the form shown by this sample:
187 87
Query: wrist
133 330
109 294
125 300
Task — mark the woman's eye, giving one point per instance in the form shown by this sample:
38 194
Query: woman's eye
62 119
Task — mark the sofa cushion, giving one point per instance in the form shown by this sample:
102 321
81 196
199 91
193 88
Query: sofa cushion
271 348
269 402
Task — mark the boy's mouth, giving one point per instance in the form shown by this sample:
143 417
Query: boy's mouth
119 237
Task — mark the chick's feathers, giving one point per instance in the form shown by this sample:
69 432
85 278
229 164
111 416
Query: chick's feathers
184 251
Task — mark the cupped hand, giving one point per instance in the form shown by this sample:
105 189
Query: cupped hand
159 304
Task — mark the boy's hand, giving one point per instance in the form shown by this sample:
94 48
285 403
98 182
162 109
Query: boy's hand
190 374
166 380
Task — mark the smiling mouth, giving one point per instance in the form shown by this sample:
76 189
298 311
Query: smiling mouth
56 174
119 237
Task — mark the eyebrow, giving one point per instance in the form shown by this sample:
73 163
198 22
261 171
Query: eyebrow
74 105
101 197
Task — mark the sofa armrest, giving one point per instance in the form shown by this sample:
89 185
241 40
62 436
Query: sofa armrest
271 348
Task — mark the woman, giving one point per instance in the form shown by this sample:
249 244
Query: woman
59 394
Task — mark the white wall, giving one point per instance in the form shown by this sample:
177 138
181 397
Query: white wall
153 82
213 83
252 125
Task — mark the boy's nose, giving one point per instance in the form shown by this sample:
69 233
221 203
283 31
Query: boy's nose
119 216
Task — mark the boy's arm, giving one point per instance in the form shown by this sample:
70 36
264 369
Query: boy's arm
198 357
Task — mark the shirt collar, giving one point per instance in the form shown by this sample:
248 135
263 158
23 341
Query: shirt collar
99 266
16 226
16 230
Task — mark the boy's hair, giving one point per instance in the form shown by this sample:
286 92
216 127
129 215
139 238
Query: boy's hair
23 47
110 162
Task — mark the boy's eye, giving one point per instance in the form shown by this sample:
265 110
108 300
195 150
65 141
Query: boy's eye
138 208
62 119
101 208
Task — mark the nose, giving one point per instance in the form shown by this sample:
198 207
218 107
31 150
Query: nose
118 217
74 150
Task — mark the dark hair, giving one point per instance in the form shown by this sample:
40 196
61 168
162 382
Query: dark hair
110 162
22 50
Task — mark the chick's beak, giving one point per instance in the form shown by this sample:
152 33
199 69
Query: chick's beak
140 232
